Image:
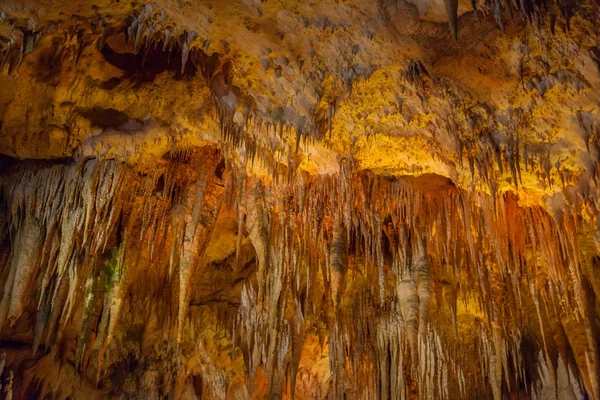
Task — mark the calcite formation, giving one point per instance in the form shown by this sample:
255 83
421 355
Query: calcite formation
243 199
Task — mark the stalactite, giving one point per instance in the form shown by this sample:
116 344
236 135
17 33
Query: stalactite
297 343
8 389
451 12
258 228
24 260
113 301
415 289
338 269
200 215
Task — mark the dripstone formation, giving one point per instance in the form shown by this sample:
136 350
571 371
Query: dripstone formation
338 199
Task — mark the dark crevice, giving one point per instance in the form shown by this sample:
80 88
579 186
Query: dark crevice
220 169
149 62
111 83
224 302
160 184
8 163
104 118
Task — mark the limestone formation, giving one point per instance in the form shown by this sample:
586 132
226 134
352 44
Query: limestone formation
244 199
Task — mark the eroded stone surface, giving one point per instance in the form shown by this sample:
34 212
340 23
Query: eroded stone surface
266 199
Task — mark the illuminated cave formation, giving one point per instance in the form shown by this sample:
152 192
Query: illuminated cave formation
338 199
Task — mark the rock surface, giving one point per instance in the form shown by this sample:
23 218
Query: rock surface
285 199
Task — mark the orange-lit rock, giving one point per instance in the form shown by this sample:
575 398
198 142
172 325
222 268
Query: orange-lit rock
285 199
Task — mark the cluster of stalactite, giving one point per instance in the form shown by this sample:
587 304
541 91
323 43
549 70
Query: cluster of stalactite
155 39
491 144
151 25
78 238
416 287
242 126
532 11
435 293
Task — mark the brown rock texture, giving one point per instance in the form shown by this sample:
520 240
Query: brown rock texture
244 199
